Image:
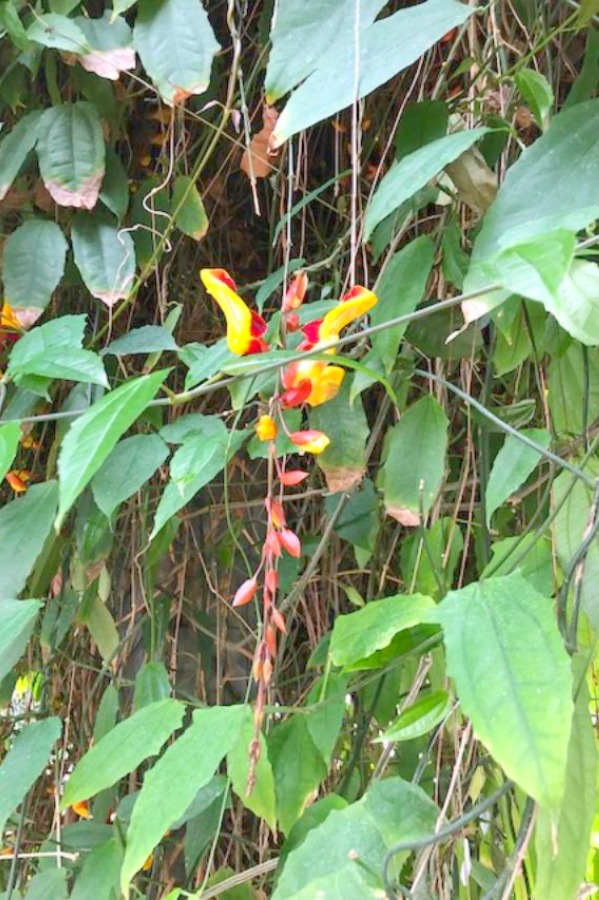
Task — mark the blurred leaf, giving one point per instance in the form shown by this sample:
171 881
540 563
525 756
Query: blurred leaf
123 749
162 25
93 435
586 82
173 781
145 339
17 619
261 800
358 635
71 153
419 718
99 874
16 145
573 390
58 32
325 705
24 526
106 713
188 209
298 769
98 620
421 437
50 884
204 362
115 187
105 256
430 557
25 762
130 464
502 641
420 124
10 435
359 521
512 466
151 684
33 263
527 554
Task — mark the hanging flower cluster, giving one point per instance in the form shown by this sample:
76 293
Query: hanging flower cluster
305 382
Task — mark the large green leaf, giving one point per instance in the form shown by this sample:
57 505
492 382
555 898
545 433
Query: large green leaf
121 750
346 426
49 884
14 148
105 256
172 783
54 350
25 762
385 48
10 436
577 302
261 799
71 153
176 45
91 438
343 856
513 679
512 466
554 185
58 32
573 501
99 875
145 339
24 526
32 265
413 172
298 769
110 40
358 635
131 463
419 437
562 856
17 618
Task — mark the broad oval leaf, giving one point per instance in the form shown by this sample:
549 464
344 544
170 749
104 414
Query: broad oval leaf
14 148
131 463
71 153
414 461
513 679
25 523
32 265
110 40
53 350
25 762
58 32
145 339
91 437
172 783
359 634
261 799
176 45
17 618
100 872
298 769
121 750
188 209
418 719
346 426
512 466
105 256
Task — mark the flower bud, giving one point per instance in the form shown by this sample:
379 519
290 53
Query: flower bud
295 293
291 542
246 592
266 429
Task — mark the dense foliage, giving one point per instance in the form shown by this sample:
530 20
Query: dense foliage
299 408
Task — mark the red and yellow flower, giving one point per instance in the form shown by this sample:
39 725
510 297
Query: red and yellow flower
310 381
266 429
245 327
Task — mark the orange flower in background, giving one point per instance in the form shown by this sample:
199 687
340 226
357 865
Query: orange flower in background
295 293
81 808
266 429
310 441
10 327
244 326
18 480
310 381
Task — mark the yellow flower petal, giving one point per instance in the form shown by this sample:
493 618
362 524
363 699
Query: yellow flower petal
239 318
359 301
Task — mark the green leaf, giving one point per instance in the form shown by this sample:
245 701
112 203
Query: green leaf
414 172
17 618
346 426
71 153
573 501
58 32
123 749
146 339
400 290
573 390
575 306
98 620
298 769
420 436
105 256
326 708
115 187
33 264
538 93
151 684
93 435
513 677
107 712
587 9
10 22
545 190
508 555
172 783
562 854
14 148
512 466
358 635
99 875
261 800
24 526
419 718
343 857
359 521
53 350
25 762
385 48
204 362
188 209
536 268
430 557
162 25
10 435
320 27
420 124
130 464
110 40
586 81
50 884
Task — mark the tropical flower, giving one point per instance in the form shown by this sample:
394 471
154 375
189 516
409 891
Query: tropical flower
266 429
310 381
355 303
310 441
245 327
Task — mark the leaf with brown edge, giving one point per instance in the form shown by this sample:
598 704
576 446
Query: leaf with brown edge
104 255
110 40
257 160
71 154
